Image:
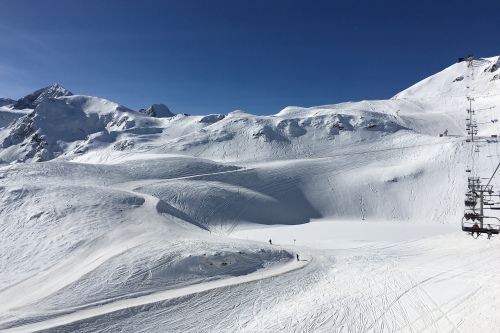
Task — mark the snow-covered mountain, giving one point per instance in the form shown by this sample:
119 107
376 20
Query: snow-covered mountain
429 107
34 99
333 218
445 92
76 125
6 101
67 124
478 78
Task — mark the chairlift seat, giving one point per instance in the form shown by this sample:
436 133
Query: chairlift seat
481 230
491 228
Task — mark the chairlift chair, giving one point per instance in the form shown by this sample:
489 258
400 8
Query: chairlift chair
470 202
468 224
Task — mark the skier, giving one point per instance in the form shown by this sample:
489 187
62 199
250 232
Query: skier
475 226
270 242
297 257
446 132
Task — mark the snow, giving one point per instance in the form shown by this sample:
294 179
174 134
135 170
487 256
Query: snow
8 115
138 224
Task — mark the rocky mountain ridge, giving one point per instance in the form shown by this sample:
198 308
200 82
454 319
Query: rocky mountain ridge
34 99
73 126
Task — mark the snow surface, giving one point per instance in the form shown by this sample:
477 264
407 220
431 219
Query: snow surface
141 224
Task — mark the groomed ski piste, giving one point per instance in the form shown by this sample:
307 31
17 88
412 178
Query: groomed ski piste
113 220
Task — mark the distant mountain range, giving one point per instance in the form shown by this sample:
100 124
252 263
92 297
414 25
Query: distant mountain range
31 101
6 101
52 122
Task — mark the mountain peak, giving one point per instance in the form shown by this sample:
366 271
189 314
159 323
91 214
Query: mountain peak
158 111
458 80
6 101
34 99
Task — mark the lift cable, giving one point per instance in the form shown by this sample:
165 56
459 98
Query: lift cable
493 174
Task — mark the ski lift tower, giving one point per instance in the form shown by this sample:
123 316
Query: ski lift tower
471 122
470 57
475 196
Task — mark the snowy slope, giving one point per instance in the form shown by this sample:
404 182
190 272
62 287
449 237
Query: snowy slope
138 224
446 93
292 133
81 125
8 115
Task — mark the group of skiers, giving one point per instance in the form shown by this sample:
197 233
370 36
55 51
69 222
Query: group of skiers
476 226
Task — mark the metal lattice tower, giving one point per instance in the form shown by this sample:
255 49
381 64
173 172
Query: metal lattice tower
475 195
470 58
471 122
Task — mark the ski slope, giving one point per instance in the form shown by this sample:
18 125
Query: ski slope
146 224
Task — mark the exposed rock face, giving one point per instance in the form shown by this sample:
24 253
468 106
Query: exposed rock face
69 124
158 111
6 101
34 99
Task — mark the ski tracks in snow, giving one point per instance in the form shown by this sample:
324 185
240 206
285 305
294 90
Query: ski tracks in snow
387 287
129 303
146 211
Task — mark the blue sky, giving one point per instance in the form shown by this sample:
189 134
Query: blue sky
217 56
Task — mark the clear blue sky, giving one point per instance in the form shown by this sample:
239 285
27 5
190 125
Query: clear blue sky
216 56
